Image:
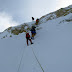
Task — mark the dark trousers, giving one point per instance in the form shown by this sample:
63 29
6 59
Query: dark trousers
28 39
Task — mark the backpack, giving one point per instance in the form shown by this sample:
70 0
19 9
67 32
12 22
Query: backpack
27 35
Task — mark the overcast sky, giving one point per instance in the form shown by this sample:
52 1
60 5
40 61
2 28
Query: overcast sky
14 12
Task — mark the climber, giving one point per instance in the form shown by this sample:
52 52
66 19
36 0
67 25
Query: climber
37 21
33 32
32 18
28 38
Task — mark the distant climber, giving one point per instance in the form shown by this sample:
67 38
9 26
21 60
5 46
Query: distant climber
37 21
33 32
32 18
28 38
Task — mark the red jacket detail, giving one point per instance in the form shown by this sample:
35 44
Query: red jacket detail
27 35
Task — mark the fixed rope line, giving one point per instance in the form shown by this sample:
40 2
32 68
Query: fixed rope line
21 60
37 60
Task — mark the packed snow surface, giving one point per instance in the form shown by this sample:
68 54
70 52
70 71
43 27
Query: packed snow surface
52 47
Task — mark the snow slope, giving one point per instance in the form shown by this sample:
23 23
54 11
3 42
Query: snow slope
52 47
59 13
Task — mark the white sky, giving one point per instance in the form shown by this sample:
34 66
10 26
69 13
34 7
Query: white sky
14 12
63 3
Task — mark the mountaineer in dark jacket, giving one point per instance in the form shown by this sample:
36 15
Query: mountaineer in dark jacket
33 32
32 18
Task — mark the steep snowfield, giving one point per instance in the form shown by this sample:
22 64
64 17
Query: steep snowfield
52 47
59 13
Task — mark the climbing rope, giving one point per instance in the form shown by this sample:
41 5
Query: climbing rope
35 57
21 60
37 60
